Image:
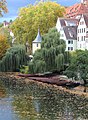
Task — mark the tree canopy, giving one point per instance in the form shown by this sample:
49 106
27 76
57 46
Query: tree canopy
78 67
42 15
51 56
3 7
3 45
13 59
6 32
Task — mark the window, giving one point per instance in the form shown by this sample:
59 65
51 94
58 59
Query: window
37 44
82 22
84 38
84 30
70 33
80 45
78 38
70 41
68 48
80 30
62 35
71 48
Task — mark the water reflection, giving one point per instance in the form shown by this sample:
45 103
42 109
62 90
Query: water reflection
32 102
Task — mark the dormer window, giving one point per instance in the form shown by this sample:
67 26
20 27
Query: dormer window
81 23
71 35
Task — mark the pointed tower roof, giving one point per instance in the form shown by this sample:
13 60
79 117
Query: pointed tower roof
38 38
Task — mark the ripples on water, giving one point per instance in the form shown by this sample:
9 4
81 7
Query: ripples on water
33 102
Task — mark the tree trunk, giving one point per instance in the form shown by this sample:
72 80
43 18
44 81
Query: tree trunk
85 89
85 82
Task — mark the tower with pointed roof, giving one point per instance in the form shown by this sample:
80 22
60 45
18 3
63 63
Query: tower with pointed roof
36 44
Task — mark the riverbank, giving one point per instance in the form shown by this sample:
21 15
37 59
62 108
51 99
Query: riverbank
13 79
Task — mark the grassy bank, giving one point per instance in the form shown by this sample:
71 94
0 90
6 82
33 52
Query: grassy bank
13 79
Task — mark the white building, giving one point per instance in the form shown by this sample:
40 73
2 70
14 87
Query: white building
68 32
36 44
6 24
82 33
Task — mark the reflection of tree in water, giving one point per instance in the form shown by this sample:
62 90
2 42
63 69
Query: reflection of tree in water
2 90
24 106
37 103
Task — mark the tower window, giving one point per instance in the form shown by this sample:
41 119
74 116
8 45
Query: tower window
37 44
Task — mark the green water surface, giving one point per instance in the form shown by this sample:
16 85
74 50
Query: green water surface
34 102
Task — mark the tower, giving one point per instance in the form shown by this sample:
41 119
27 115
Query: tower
36 44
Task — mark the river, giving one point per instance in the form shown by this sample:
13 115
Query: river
34 102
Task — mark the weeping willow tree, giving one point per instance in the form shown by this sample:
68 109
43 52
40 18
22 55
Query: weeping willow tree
13 59
51 56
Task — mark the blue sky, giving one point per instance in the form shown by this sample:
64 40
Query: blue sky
15 5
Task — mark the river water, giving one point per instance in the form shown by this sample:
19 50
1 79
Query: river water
34 102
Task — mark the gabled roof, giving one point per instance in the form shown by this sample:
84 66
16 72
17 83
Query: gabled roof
38 38
70 32
69 20
75 10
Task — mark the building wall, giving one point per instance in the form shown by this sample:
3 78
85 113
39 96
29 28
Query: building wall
71 45
58 25
87 38
81 34
35 46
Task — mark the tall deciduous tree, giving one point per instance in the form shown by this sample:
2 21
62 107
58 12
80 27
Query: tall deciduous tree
3 7
42 15
3 45
51 56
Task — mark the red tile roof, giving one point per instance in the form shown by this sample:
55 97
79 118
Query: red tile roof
77 9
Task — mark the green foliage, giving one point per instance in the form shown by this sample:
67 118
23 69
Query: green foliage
1 24
3 7
78 67
3 45
51 56
5 32
42 15
24 69
13 59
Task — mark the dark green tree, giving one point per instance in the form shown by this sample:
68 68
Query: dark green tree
78 67
13 59
51 56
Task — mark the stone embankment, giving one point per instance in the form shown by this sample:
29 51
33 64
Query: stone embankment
13 79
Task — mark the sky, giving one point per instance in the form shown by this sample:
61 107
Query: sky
14 6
